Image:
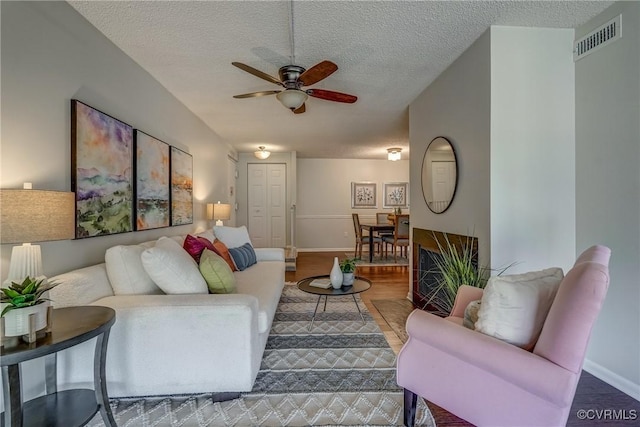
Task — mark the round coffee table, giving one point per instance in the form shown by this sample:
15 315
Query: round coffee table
360 284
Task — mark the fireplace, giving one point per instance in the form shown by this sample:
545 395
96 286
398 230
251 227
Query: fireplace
425 253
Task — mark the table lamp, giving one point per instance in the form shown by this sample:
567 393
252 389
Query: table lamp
33 216
219 212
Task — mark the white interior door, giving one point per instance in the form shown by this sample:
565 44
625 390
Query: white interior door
267 191
444 178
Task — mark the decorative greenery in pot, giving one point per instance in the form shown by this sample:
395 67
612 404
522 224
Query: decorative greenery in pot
25 294
348 268
454 268
348 265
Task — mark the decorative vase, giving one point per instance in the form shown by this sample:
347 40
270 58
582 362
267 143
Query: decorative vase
16 321
336 275
347 279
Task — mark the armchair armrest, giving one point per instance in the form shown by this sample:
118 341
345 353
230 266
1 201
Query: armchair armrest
513 364
465 295
269 254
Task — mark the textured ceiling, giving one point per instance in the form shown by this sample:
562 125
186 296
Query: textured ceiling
387 53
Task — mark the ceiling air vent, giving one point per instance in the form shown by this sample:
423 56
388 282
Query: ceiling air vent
600 37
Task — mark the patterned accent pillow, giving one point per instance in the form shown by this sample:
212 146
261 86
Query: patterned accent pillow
216 273
243 256
221 250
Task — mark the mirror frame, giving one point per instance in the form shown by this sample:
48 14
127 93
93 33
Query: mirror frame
455 161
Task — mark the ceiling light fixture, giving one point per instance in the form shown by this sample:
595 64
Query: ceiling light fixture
394 154
262 153
292 98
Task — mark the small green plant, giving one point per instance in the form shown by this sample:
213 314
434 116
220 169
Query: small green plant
25 294
454 268
348 265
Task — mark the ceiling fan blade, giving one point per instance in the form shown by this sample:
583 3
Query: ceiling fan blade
317 72
301 109
330 95
255 94
257 73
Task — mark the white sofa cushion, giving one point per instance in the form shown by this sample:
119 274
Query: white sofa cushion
264 281
80 287
173 269
514 307
232 237
126 273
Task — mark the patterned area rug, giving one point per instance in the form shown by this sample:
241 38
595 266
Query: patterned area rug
378 261
341 373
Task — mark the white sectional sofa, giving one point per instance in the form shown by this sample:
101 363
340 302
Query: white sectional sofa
174 344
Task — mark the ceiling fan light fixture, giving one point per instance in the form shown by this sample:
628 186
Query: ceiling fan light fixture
292 98
262 153
394 154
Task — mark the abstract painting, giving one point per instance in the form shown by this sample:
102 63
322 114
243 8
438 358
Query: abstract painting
181 187
152 182
363 195
395 195
102 160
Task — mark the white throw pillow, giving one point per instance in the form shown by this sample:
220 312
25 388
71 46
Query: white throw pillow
173 269
232 237
126 273
514 307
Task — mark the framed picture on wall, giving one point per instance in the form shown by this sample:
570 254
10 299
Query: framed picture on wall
153 176
363 195
395 194
181 187
101 172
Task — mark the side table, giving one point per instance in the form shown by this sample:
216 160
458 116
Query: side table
70 326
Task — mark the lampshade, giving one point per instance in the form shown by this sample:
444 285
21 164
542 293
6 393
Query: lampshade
34 216
262 153
292 98
218 211
394 154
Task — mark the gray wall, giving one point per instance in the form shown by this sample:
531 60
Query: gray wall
50 54
457 105
608 190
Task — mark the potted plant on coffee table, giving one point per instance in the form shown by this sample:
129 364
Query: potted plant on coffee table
19 300
348 268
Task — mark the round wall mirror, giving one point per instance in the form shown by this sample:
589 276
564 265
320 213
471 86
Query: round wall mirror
439 175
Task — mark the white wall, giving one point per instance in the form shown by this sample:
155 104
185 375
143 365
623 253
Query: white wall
532 148
608 190
50 54
457 105
324 198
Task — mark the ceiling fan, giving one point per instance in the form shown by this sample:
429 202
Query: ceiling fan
293 78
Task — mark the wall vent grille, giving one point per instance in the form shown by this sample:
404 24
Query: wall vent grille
600 37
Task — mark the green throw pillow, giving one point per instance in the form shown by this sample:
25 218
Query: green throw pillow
217 273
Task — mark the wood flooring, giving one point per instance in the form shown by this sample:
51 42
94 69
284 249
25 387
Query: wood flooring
592 394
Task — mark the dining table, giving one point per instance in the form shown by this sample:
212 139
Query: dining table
372 228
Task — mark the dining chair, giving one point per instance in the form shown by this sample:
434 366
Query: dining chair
400 237
383 218
363 240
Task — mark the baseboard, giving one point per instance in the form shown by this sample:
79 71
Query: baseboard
613 379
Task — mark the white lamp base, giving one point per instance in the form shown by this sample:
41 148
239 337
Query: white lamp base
26 260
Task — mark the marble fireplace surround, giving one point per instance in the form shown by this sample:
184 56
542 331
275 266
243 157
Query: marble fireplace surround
425 245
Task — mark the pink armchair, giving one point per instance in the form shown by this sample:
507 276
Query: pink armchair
488 382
